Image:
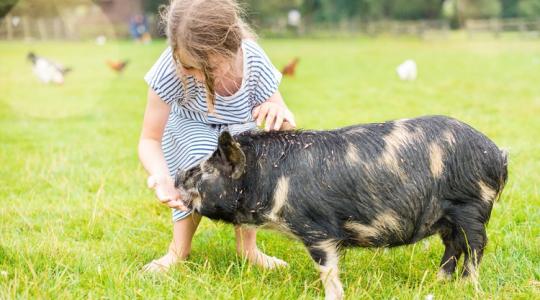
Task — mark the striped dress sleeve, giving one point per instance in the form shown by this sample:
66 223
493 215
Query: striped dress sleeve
266 77
163 79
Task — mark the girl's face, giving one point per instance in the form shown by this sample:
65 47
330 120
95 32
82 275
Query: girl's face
188 67
219 65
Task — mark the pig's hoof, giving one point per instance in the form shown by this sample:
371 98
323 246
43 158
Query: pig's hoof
334 295
472 280
442 275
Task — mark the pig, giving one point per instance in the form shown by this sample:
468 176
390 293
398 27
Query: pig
373 185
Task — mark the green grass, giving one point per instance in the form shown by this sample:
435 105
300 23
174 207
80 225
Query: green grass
76 220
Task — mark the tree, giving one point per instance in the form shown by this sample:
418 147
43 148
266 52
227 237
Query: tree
509 8
363 9
152 6
335 11
309 8
264 12
6 6
529 8
416 9
43 8
475 9
373 9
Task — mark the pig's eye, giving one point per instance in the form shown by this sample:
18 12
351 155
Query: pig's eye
207 168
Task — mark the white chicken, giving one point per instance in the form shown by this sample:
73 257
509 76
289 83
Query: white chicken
47 71
408 70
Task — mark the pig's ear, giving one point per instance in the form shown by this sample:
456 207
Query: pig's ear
232 154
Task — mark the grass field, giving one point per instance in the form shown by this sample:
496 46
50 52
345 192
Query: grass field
76 220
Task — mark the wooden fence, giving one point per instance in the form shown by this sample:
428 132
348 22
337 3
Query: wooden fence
64 28
423 29
24 27
428 29
527 28
73 28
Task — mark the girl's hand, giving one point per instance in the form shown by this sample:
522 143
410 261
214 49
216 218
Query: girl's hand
274 115
166 192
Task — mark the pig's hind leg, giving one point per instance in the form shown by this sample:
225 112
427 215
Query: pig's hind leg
452 251
464 234
474 241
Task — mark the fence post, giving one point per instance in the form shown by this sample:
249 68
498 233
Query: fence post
41 29
57 28
468 28
9 27
423 28
26 27
496 26
69 26
522 27
446 29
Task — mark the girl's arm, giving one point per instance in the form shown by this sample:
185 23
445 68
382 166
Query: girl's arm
150 153
275 114
155 119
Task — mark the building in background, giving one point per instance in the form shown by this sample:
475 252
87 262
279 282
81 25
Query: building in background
121 12
71 19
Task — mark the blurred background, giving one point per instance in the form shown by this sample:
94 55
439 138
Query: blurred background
76 218
83 19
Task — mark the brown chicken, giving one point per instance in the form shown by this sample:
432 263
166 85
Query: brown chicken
117 65
290 68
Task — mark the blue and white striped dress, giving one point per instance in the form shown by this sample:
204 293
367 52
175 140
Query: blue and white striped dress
191 133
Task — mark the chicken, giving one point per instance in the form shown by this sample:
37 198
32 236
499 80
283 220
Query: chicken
46 70
408 70
290 68
117 65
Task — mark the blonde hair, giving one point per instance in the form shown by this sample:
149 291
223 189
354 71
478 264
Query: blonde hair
201 28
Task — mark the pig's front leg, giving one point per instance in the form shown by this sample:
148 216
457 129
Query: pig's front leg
326 257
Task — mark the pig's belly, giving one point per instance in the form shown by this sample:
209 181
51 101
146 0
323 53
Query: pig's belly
389 225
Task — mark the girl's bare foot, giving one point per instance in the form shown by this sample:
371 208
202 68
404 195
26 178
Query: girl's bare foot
246 247
180 246
162 264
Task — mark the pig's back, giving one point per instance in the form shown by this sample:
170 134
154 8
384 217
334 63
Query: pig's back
407 171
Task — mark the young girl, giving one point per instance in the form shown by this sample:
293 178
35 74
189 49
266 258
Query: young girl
213 77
